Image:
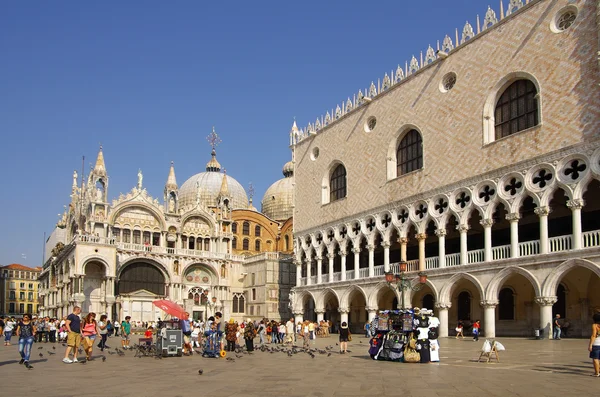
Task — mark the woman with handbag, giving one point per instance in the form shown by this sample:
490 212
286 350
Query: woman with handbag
89 331
344 338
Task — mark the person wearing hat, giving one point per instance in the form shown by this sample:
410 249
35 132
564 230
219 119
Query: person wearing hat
249 334
231 335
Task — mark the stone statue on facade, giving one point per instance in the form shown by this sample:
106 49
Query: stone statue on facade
140 179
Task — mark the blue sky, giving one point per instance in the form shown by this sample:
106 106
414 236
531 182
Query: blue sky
149 79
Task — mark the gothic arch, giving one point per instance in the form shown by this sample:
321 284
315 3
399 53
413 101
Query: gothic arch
121 207
301 298
497 281
150 261
209 267
344 301
551 283
320 303
325 183
447 287
94 258
376 291
434 289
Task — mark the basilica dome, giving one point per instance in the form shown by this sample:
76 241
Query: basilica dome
207 185
278 201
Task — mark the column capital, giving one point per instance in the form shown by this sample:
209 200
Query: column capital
371 308
443 305
403 240
513 217
489 304
462 228
486 222
330 255
319 257
319 311
575 204
421 236
343 310
542 211
371 247
386 244
440 232
356 250
298 313
546 300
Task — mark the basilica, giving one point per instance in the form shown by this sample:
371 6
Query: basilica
465 181
204 246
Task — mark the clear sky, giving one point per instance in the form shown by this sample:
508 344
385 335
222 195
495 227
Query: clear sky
149 79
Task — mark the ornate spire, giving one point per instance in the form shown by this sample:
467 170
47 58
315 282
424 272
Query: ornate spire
100 168
171 181
224 186
214 140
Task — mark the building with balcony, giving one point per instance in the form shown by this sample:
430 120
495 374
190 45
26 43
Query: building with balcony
477 164
117 258
19 289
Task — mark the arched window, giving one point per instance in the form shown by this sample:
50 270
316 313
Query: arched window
234 243
245 244
517 109
409 156
257 245
286 239
257 231
506 304
238 303
246 229
234 227
337 183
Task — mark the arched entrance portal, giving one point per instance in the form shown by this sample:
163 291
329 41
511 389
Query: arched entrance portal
139 284
357 315
331 306
308 306
92 289
200 282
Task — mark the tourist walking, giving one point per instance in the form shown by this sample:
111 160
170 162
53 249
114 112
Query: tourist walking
556 328
290 331
103 330
594 347
262 330
249 334
282 332
73 325
125 332
476 327
459 330
117 326
26 334
344 337
9 326
89 331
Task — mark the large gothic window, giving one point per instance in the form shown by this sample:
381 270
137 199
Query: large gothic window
142 276
337 183
517 109
238 303
246 229
409 156
506 304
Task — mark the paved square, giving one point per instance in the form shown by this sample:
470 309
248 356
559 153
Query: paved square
526 368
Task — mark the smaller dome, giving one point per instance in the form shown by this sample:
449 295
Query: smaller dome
288 169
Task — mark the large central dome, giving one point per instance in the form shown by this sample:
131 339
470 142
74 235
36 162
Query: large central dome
209 185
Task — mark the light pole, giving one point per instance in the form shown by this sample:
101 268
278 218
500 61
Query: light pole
401 283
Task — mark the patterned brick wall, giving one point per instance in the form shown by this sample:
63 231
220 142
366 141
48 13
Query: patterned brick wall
564 64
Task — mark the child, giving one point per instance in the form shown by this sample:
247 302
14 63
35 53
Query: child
476 326
148 333
194 336
459 330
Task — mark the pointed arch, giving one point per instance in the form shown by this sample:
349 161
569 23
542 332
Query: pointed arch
320 303
447 288
344 301
498 280
431 285
551 283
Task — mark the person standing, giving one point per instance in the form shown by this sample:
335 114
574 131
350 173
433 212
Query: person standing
231 330
594 347
556 328
290 331
476 327
73 325
117 326
103 331
262 330
125 332
9 327
249 334
186 330
459 330
26 334
89 332
344 337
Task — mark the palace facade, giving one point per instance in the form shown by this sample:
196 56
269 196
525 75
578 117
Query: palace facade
477 164
204 246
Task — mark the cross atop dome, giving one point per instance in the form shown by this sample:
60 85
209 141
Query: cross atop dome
213 139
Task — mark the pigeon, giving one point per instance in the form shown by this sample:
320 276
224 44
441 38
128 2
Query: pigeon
360 341
337 344
239 356
230 359
103 358
329 354
111 353
28 366
200 372
53 347
64 345
41 355
40 348
289 353
83 362
80 351
50 353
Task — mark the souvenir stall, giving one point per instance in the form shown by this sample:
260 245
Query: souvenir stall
409 335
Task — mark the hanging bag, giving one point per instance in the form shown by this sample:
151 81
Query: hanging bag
411 355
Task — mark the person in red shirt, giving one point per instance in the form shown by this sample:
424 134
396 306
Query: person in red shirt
148 333
476 326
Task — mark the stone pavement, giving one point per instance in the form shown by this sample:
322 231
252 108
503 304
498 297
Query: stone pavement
526 368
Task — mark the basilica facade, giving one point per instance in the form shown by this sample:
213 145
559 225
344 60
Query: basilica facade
204 246
476 166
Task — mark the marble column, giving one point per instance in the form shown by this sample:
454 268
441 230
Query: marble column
331 257
464 258
542 213
308 269
298 274
441 234
421 238
386 256
489 318
514 234
442 308
403 243
487 238
371 312
546 303
343 260
356 252
576 206
319 269
371 260
343 314
298 317
320 314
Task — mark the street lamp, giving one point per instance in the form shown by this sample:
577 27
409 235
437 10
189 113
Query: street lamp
401 283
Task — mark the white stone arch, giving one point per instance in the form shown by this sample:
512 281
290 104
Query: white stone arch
320 303
108 270
162 268
548 194
489 107
553 279
301 299
446 290
493 287
123 206
209 267
392 152
344 301
491 208
466 215
430 284
325 188
518 202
